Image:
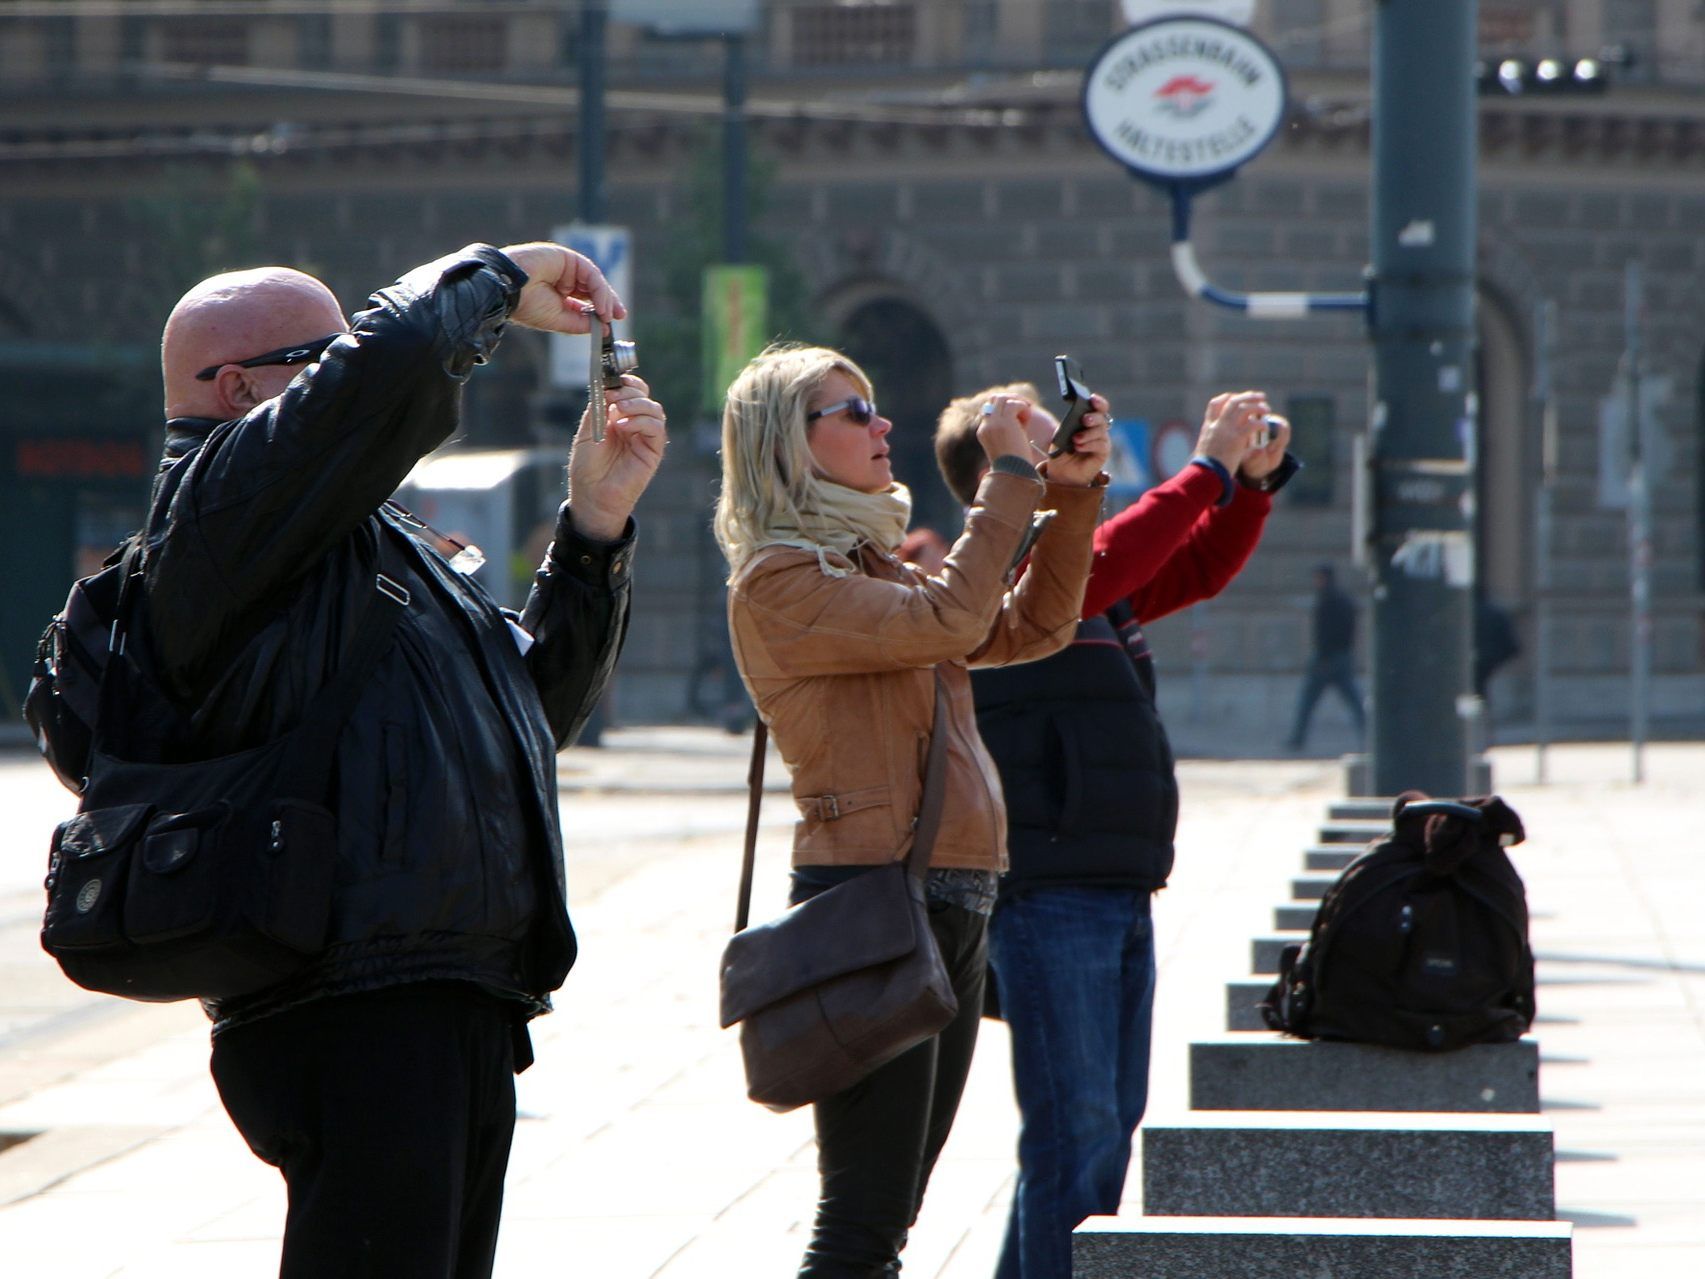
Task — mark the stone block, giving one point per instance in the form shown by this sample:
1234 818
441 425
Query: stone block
1326 857
1342 1248
1264 952
1240 1000
1298 917
1362 809
1353 831
1268 1072
1243 1163
1311 888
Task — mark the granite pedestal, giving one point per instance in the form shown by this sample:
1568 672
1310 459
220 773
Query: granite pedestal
1286 1248
1269 1072
1238 1163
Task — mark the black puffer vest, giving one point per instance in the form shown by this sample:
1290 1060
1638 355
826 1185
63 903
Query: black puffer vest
1084 761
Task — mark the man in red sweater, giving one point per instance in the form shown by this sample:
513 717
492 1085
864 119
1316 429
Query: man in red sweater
1092 808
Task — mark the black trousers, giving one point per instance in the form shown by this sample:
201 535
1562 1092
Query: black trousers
390 1115
878 1141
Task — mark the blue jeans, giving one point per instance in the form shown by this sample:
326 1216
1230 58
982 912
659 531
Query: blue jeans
1075 969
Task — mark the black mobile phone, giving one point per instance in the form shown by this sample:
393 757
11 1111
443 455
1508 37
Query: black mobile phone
1076 396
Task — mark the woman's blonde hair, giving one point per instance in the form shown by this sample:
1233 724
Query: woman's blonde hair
767 478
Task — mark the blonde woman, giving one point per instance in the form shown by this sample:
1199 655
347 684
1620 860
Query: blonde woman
839 643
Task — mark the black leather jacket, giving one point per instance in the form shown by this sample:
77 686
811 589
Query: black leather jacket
262 545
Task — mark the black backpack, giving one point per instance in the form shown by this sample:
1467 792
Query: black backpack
63 701
185 875
1422 941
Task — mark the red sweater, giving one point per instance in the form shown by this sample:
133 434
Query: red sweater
1173 546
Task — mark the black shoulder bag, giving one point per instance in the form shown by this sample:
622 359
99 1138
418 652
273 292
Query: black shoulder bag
847 980
209 879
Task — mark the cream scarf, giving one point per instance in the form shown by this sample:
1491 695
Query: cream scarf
842 519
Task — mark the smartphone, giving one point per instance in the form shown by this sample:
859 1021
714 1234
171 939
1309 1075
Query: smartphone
1076 396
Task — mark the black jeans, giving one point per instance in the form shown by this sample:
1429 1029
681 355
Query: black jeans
878 1141
390 1115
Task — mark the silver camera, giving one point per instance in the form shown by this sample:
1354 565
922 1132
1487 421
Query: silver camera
611 357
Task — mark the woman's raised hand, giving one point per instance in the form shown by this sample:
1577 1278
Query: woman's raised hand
1001 431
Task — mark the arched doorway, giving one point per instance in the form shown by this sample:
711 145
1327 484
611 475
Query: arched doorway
906 356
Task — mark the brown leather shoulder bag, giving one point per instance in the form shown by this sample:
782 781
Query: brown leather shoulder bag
847 980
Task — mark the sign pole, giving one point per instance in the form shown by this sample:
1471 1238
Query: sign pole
1422 436
592 16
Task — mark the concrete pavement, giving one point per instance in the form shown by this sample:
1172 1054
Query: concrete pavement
637 1155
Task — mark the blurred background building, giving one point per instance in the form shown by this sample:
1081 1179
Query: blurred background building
926 197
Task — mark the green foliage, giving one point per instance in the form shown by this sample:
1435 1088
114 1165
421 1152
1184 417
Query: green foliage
668 329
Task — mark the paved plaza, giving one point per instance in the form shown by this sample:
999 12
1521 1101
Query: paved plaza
637 1155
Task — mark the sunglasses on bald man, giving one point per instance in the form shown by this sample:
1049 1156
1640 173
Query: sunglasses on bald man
302 353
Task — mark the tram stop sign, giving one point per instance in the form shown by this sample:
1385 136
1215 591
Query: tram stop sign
1182 102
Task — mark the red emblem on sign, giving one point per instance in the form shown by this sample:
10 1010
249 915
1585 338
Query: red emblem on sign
1184 96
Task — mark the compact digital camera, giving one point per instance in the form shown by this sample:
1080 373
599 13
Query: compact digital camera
1076 396
611 357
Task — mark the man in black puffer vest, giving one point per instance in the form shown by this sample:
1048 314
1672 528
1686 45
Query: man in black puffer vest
380 1079
1092 806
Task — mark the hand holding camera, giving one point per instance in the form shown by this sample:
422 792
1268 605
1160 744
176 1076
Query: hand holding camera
1230 427
1081 445
606 476
561 286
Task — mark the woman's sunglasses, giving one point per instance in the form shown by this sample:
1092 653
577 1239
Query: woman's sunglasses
859 409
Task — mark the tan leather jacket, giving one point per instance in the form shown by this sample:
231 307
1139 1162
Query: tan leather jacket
843 670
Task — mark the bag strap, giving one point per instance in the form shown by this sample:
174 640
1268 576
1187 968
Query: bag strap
924 826
754 801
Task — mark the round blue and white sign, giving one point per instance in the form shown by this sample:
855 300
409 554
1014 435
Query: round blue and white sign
1184 100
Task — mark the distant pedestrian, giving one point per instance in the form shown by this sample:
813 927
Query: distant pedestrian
1495 642
1331 663
841 645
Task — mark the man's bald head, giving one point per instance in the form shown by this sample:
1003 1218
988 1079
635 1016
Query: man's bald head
233 317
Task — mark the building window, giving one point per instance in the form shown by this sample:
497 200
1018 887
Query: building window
1074 30
314 40
1507 25
835 35
206 42
1313 421
464 45
61 44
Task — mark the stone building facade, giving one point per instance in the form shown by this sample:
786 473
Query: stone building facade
954 225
